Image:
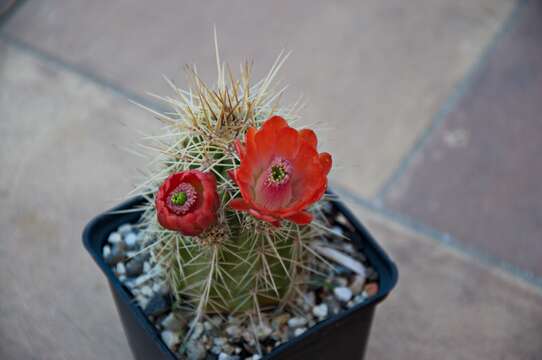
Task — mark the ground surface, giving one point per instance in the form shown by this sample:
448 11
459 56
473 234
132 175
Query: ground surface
432 112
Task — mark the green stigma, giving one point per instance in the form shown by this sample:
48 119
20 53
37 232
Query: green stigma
278 173
179 198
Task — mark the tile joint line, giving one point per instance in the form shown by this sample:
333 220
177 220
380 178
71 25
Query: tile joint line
458 92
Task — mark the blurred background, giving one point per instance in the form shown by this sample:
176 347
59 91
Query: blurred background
431 109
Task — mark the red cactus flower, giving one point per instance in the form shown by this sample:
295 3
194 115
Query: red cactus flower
281 172
187 202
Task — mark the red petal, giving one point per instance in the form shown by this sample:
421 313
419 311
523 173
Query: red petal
274 123
240 149
309 136
239 205
287 143
326 162
301 218
263 217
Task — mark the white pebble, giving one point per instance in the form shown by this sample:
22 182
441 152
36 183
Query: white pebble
342 293
156 287
106 251
233 331
130 240
320 311
121 269
125 229
146 267
146 290
170 338
114 238
172 323
299 331
297 322
224 356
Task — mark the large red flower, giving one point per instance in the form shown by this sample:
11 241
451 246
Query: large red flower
281 172
187 202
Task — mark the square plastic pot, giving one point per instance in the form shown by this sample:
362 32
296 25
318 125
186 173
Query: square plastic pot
343 336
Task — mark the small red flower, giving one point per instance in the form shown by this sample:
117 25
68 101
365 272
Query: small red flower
187 202
281 172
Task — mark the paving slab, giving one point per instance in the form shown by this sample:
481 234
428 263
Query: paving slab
60 140
448 305
374 72
478 176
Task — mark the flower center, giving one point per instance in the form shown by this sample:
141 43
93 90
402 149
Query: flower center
279 172
181 200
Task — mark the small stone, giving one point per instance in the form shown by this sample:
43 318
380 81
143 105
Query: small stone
297 322
140 280
170 338
340 281
371 289
219 341
106 251
120 269
280 320
157 305
146 267
195 350
263 331
337 230
116 255
197 332
349 248
173 323
342 294
357 284
216 321
146 291
130 240
320 311
134 267
299 331
125 229
224 356
233 331
248 336
114 238
142 301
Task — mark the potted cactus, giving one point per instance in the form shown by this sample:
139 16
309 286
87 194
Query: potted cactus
233 247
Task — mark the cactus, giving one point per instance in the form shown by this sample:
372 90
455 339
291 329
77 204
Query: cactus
240 264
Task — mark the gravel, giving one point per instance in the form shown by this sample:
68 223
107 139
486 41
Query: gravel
342 294
236 338
157 305
320 311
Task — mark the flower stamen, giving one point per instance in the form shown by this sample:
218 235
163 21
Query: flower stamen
279 172
181 200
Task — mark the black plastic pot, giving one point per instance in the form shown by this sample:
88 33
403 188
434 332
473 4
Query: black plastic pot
341 337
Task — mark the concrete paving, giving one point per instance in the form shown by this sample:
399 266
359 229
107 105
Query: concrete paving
374 72
478 176
447 306
377 71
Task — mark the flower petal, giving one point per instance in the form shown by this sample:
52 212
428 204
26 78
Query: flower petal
309 136
326 162
239 204
301 218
